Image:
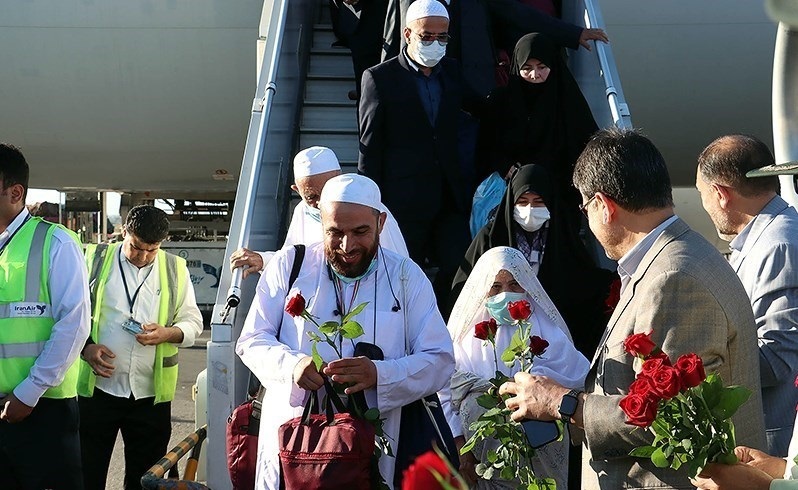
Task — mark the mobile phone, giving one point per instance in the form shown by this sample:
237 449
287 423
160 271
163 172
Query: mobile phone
132 327
539 432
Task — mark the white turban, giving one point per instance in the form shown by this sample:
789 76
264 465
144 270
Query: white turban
315 160
352 188
425 8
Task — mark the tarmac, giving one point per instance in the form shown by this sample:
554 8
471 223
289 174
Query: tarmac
192 361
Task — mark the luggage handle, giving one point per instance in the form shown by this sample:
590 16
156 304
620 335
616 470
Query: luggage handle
312 406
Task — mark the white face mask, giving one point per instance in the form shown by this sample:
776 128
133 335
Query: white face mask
428 56
531 218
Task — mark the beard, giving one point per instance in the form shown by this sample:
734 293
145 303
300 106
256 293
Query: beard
353 264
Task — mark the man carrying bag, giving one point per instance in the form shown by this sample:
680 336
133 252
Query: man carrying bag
348 269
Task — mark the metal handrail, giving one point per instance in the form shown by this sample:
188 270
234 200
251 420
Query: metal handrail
620 112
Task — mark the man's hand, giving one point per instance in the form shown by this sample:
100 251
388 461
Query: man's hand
468 462
306 376
773 466
245 257
12 410
155 334
738 476
592 35
99 358
360 371
535 397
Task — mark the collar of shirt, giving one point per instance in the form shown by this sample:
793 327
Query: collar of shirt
14 226
738 242
628 264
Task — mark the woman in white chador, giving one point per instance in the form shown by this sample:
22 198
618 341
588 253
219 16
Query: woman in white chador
502 275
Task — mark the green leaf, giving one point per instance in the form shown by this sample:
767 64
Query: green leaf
329 328
730 399
508 357
659 459
727 458
317 360
314 337
487 401
372 414
351 330
710 389
488 473
687 444
357 309
642 452
507 473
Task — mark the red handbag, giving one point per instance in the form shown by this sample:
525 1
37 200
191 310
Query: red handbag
242 444
326 451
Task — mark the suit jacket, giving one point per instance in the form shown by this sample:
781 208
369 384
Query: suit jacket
414 162
767 265
686 293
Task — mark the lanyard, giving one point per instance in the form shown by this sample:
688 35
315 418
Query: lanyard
131 301
3 248
339 296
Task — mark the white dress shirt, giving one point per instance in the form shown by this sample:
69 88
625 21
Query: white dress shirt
627 265
69 301
134 363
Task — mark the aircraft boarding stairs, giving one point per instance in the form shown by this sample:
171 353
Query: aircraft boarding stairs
300 101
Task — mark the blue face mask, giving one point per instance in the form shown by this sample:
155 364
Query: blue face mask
497 306
350 280
314 213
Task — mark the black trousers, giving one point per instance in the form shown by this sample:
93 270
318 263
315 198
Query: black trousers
42 451
146 428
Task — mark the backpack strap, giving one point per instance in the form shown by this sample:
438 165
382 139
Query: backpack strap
254 388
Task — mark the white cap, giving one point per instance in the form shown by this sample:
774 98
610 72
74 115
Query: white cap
352 188
315 160
425 8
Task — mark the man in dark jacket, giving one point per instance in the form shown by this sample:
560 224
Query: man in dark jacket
409 111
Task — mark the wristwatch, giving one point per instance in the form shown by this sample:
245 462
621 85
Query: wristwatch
568 405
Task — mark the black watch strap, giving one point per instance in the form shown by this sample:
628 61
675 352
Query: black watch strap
569 404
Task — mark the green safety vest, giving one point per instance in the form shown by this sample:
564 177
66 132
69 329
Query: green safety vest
99 259
26 316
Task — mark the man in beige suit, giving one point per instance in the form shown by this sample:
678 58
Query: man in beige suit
674 283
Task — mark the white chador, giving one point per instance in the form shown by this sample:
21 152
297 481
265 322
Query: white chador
401 306
475 358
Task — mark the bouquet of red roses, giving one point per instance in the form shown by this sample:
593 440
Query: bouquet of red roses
688 412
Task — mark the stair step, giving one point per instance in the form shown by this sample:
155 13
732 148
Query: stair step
322 90
331 65
339 117
330 131
345 146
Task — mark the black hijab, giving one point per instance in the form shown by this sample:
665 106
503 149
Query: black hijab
567 272
545 123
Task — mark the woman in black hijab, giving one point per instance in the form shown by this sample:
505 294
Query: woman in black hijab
565 269
540 117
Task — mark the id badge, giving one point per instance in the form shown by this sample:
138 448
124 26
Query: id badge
132 327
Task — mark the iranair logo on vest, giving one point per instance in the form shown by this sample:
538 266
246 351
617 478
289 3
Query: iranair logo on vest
29 310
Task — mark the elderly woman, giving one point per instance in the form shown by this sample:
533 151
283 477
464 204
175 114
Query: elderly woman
501 275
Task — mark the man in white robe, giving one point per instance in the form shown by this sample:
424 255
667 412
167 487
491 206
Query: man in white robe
346 269
313 167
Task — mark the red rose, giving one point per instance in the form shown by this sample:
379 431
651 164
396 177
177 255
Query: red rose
519 310
658 354
665 382
537 345
642 386
639 344
486 329
420 476
640 410
296 305
691 370
614 296
654 364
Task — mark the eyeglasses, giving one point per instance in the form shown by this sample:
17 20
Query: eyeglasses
583 207
428 39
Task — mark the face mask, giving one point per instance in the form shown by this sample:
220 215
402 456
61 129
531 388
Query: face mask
497 306
530 218
313 213
350 280
428 56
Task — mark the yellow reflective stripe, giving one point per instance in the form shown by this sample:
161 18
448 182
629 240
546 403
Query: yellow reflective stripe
25 349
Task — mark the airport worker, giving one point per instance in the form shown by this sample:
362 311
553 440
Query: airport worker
348 268
313 167
143 309
44 312
764 253
675 285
